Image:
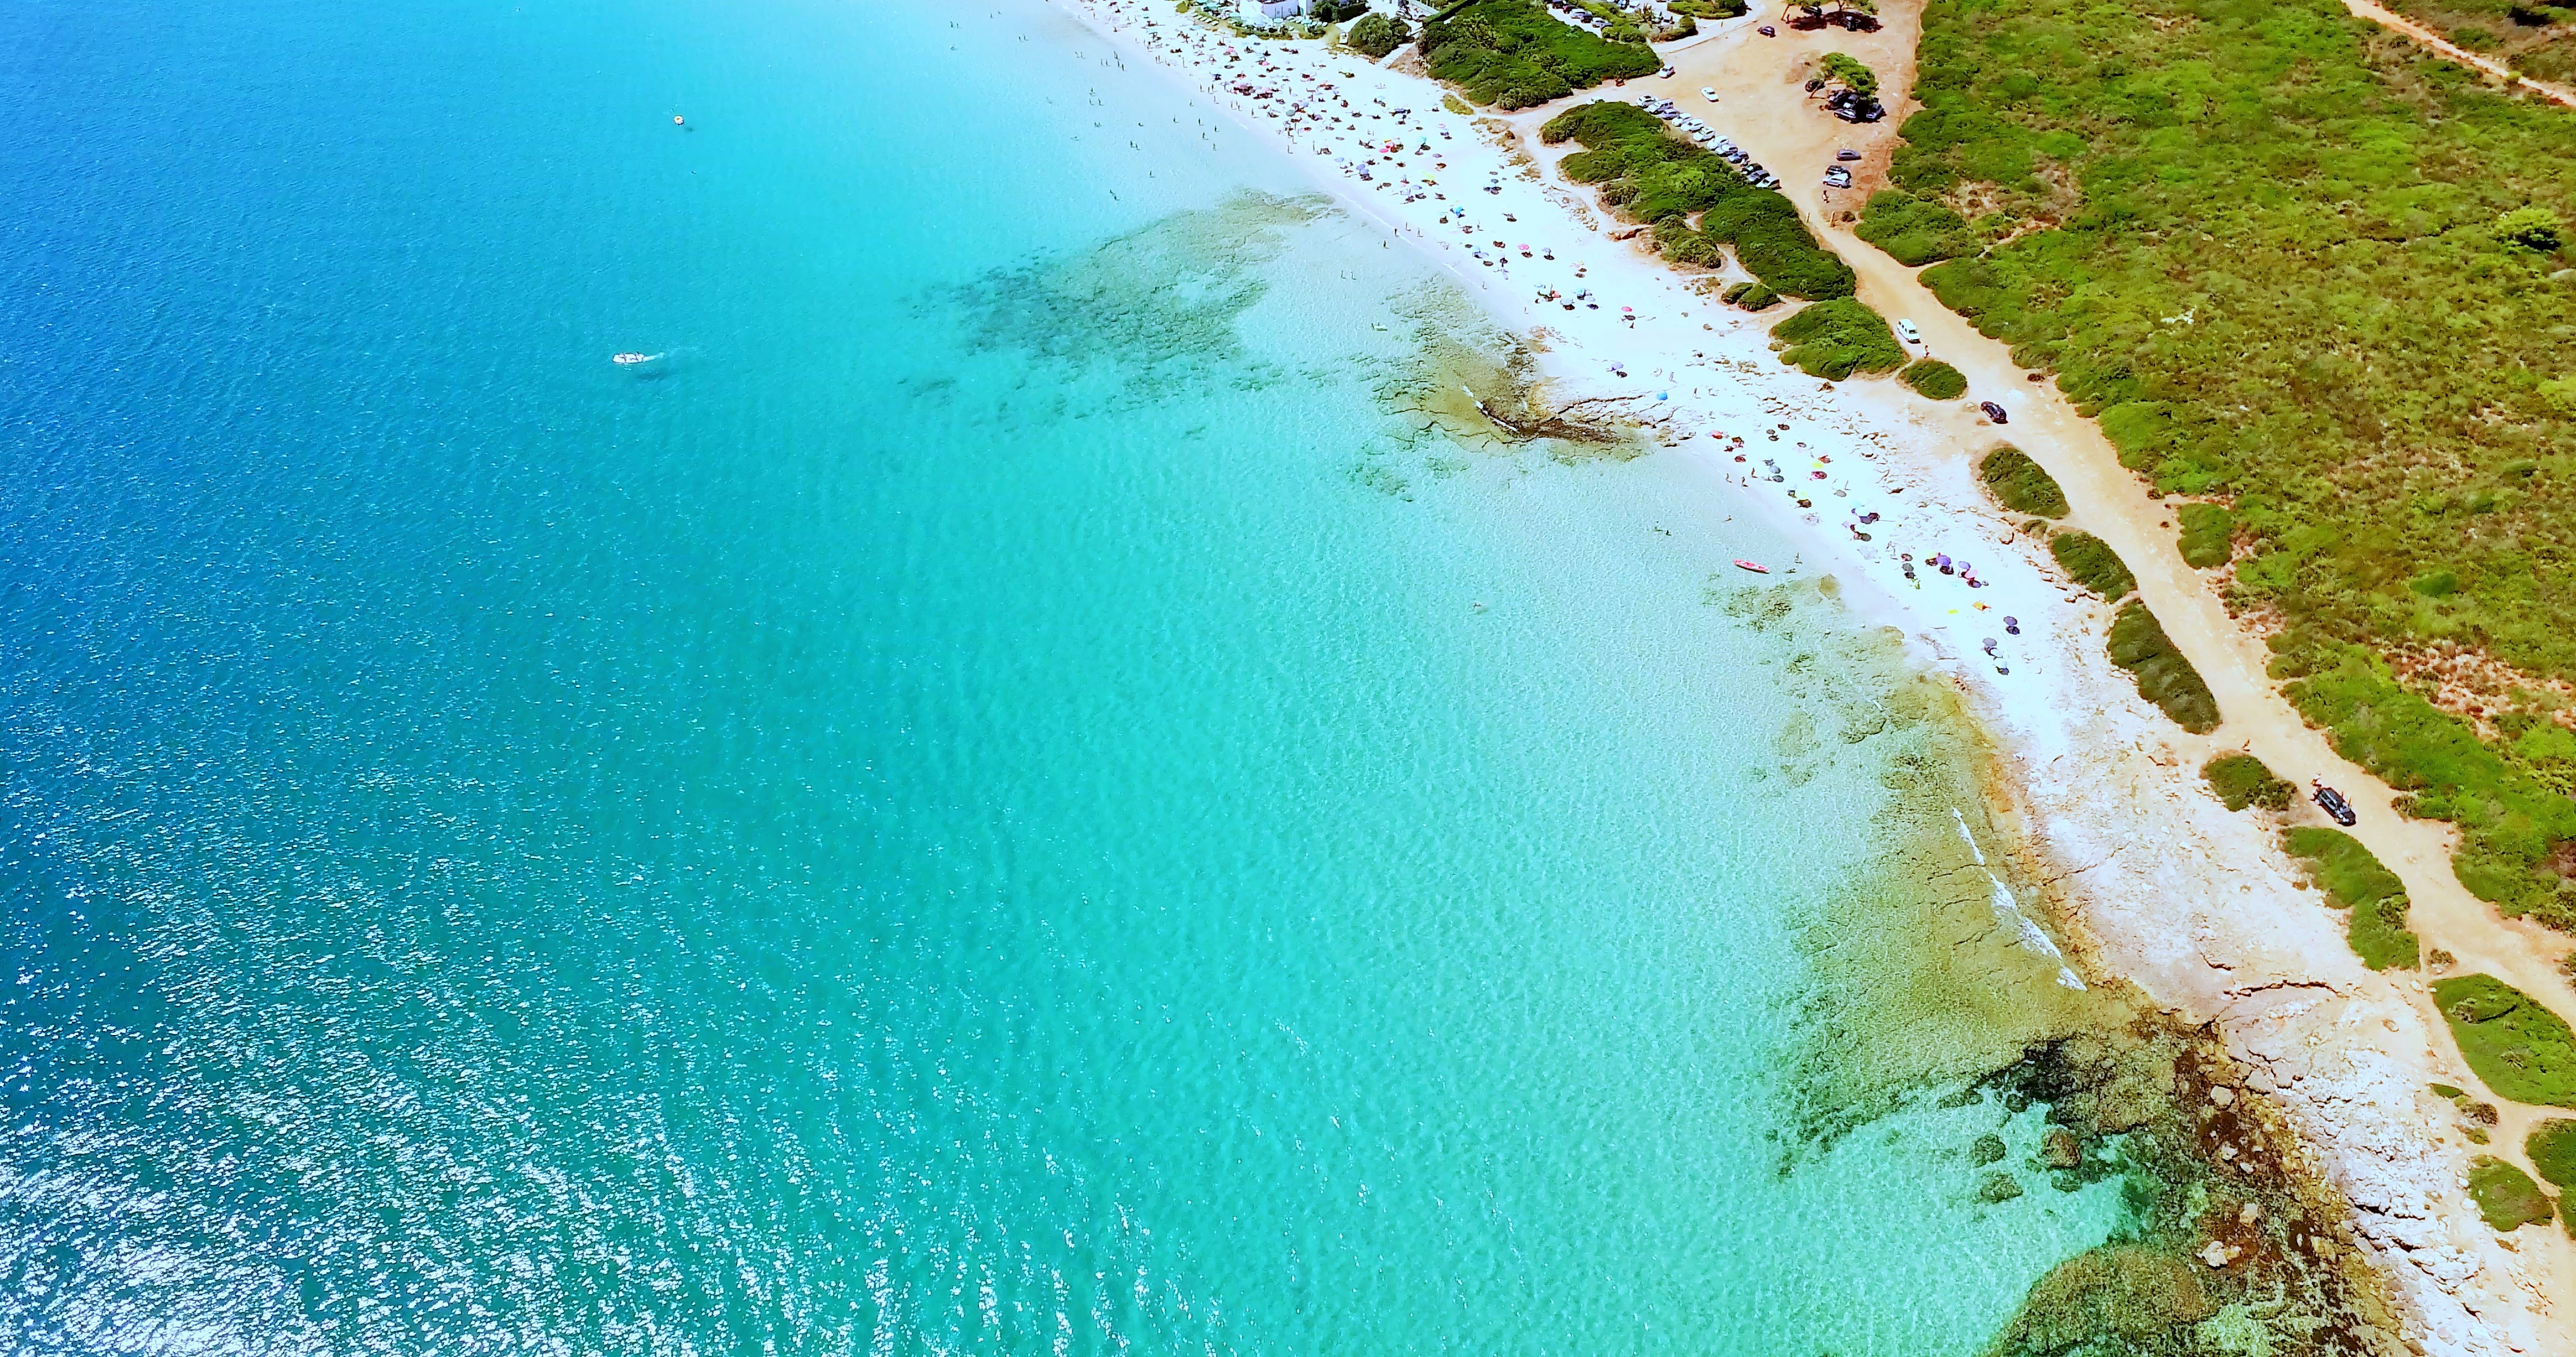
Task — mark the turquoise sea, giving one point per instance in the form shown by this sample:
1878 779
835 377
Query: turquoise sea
1000 797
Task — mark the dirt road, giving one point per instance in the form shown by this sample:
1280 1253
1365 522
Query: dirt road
2418 33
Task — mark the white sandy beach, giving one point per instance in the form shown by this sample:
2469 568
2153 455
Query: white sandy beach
2153 879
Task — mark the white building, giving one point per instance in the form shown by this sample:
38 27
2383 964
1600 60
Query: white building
1277 9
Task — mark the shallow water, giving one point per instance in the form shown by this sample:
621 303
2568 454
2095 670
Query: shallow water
997 797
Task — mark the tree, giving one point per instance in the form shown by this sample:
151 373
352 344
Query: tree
1846 71
1378 35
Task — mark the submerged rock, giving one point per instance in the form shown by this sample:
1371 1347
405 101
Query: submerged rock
1998 1187
1987 1150
2123 1292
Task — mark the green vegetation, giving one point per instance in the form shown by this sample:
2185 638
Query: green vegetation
1336 11
1650 175
2354 880
2023 486
1750 296
2347 871
2208 535
2380 937
2164 677
1834 339
2534 228
2089 561
2506 1196
2552 1147
2449 1091
1708 9
2509 798
1513 53
1377 35
2522 1050
1914 230
2293 264
1934 380
2242 780
1846 70
2532 36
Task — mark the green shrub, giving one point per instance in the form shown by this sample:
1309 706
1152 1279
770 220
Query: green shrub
1750 296
2510 811
2552 1147
1685 246
1376 34
2353 879
2208 535
1337 11
2089 561
1834 339
2533 228
2523 1051
2164 677
1914 230
2506 1196
1513 53
2278 256
2344 868
2241 780
2023 486
1650 175
1846 70
2379 936
1934 380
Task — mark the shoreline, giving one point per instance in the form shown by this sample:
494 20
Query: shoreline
2148 878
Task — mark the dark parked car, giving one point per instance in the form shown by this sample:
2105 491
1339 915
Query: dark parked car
2332 803
1994 412
1769 32
1854 108
1846 153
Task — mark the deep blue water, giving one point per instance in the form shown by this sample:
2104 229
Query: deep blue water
991 799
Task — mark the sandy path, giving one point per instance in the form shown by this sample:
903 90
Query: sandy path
2418 33
1762 107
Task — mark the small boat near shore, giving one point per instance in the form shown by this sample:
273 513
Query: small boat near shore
628 360
1755 566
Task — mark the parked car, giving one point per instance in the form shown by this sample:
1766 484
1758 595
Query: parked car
1708 92
1769 32
1994 412
1905 330
1666 73
2332 803
1846 153
1854 108
1837 177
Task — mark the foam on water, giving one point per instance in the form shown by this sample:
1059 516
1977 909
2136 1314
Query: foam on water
1023 795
